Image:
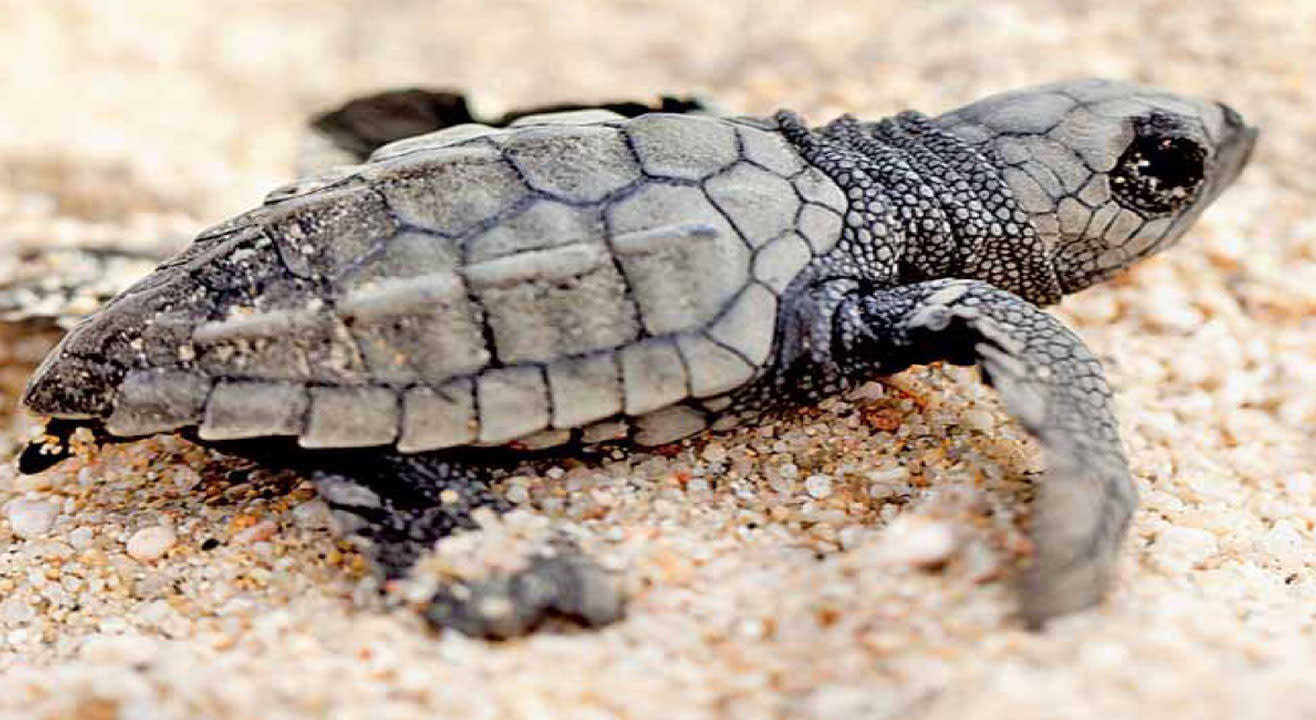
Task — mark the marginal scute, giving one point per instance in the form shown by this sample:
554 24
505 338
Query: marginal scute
307 185
713 368
432 141
513 402
668 425
544 439
588 116
435 418
778 263
682 146
584 389
239 409
821 227
814 186
350 416
600 163
319 233
157 400
449 190
605 431
679 274
652 375
770 150
748 325
761 204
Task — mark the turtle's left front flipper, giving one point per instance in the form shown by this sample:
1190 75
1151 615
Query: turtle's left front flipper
1051 383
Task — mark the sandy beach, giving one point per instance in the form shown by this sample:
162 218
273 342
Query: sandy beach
854 560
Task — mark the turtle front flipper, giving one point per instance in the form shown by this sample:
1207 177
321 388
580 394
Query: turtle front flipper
1055 388
349 133
396 507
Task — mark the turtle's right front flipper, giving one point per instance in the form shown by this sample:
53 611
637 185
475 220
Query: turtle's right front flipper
1052 385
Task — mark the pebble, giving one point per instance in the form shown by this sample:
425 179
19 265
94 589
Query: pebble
818 486
151 543
81 537
918 541
263 530
31 519
312 514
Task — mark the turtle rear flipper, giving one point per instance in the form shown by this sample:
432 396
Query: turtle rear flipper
348 134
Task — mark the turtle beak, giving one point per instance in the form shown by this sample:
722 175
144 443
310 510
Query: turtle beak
1236 145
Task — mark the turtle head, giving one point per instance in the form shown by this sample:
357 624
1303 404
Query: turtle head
1109 172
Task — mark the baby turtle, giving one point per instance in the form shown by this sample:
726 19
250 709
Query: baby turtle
446 298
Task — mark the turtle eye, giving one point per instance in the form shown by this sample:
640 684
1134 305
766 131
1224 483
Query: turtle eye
1161 171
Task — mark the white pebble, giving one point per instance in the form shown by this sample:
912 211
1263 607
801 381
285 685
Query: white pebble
714 452
918 541
818 486
81 537
518 495
31 519
261 531
184 477
312 515
151 543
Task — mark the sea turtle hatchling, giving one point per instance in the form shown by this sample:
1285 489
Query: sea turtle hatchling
451 298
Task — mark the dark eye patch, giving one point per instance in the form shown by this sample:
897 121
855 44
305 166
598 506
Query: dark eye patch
1162 170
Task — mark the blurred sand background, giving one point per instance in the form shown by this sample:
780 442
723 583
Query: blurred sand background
850 562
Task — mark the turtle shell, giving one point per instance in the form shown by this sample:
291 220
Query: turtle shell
576 271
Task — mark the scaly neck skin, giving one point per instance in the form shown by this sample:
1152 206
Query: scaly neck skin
925 205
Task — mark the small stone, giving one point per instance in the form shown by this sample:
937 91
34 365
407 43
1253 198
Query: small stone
263 530
714 452
818 486
518 495
31 519
312 514
184 477
81 537
151 543
918 541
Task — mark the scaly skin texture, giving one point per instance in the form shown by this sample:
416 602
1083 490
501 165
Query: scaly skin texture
1020 198
954 231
